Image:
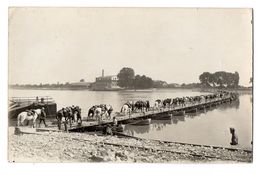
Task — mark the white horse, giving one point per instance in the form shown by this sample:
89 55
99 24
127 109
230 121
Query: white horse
23 116
157 105
125 109
37 111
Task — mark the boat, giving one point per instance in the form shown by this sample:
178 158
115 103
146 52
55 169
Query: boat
178 113
102 128
142 122
20 104
191 110
163 117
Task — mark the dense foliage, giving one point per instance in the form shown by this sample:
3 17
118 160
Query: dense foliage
128 80
126 77
219 79
142 82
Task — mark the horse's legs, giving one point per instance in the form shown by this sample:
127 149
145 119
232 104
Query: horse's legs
70 121
40 123
34 123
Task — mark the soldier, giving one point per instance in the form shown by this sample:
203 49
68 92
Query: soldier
59 117
42 117
115 123
234 138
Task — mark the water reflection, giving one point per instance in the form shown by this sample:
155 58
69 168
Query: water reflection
197 127
234 104
134 129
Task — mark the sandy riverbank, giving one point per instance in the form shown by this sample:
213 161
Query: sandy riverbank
81 147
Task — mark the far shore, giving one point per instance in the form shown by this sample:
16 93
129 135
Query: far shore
238 90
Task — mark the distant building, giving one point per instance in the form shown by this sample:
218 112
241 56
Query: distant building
106 83
80 85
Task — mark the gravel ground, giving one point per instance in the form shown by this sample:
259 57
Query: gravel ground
81 147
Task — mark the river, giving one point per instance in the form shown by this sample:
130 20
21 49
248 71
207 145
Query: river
210 127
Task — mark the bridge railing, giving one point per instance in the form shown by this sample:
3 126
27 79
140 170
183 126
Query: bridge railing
30 100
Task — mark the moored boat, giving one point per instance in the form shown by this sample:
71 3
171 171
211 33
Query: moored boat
191 110
178 113
162 117
142 122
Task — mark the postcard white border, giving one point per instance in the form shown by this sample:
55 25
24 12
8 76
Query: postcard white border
86 168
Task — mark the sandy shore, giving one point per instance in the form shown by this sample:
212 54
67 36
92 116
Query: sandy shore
82 147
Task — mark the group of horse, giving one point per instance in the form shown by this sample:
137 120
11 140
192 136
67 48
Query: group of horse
138 106
174 102
98 112
70 114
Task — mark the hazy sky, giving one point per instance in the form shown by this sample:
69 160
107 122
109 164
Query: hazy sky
176 45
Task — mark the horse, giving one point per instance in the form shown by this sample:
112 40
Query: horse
38 111
98 113
139 105
125 109
71 116
157 104
77 115
167 102
23 116
91 111
109 110
61 117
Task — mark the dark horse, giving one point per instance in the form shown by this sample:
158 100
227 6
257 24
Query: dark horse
167 102
91 111
77 113
142 105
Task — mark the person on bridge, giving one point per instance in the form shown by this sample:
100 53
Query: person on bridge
115 123
42 117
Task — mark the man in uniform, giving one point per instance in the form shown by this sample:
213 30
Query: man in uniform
59 117
42 117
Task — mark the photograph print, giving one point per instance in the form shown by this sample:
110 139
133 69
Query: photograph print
135 85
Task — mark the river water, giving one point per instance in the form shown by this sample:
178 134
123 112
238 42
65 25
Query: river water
209 127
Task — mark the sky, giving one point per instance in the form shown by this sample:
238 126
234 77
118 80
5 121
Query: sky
50 45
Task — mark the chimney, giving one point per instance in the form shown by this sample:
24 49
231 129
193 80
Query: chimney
102 72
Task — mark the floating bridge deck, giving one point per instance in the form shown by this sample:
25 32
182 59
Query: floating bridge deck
151 113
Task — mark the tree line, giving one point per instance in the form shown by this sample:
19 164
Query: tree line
219 79
128 80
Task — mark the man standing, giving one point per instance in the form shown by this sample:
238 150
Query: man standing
59 117
42 117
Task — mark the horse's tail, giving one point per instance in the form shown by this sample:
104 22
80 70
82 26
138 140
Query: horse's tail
18 119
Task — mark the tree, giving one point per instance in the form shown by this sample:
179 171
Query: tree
220 79
126 77
142 82
236 79
205 79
